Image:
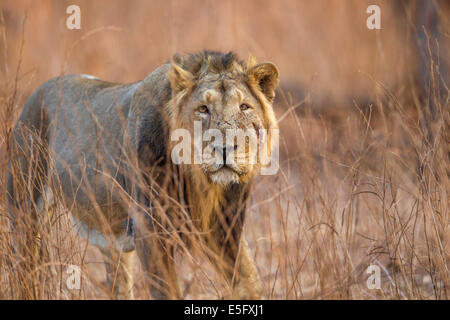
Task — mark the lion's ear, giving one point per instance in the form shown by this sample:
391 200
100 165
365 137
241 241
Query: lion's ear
179 78
264 76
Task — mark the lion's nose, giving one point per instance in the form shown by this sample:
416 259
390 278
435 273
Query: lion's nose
226 151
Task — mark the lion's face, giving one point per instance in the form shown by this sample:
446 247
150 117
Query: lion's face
227 111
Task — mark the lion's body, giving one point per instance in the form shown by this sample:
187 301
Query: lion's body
96 135
86 120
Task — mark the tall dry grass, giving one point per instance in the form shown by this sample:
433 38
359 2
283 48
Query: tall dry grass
362 182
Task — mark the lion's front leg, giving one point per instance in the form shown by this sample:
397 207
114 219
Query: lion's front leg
119 276
246 283
240 271
230 245
157 259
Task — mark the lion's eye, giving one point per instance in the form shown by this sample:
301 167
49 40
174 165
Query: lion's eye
203 109
244 107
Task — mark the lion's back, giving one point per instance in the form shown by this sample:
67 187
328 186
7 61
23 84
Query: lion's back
85 119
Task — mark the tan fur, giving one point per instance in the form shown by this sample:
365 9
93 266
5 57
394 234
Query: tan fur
189 75
183 81
138 119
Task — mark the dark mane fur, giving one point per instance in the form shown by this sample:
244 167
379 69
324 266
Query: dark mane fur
208 61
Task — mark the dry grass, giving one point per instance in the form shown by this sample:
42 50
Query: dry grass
364 181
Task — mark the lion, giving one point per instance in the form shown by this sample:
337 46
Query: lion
107 149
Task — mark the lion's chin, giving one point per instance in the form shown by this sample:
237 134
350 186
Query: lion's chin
224 176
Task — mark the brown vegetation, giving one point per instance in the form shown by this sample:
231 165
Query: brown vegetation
365 162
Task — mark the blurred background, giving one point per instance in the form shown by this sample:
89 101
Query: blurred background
322 48
364 120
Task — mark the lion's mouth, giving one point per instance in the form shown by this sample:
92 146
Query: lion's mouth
224 168
224 175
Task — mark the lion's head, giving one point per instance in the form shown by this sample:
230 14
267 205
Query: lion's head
226 106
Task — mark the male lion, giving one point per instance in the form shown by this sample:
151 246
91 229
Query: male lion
106 148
